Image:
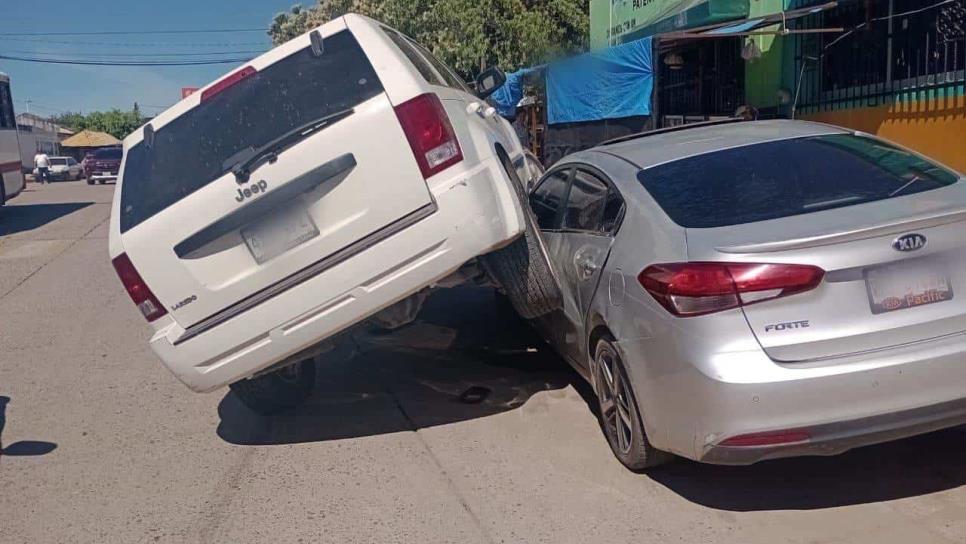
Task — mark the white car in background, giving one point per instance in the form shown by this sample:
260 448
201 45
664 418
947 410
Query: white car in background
331 180
64 168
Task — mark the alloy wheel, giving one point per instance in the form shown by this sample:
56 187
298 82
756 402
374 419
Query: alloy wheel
614 396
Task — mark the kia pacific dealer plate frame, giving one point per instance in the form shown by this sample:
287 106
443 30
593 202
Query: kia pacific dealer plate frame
898 287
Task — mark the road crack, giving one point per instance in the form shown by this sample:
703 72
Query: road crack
439 465
53 258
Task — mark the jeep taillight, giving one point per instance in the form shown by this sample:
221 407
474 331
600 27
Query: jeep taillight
142 296
430 134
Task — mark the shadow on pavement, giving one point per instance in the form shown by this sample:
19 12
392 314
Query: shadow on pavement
907 468
464 359
23 447
15 219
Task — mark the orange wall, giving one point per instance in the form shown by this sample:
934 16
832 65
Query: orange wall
935 127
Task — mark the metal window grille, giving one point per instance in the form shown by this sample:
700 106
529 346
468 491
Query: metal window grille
890 48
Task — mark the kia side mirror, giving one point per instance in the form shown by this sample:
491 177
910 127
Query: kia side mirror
489 81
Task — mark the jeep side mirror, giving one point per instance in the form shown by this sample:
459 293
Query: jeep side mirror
489 81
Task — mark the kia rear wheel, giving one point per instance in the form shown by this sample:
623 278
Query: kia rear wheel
619 414
278 391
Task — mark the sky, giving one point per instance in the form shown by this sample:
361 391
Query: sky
56 88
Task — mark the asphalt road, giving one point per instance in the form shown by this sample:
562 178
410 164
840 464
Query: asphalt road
101 444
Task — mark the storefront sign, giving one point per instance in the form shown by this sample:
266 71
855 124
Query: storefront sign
618 21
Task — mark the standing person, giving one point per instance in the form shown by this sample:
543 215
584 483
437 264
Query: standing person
42 162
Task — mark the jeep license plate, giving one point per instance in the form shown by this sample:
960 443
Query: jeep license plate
279 232
898 287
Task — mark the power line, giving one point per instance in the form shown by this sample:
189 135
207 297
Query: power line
122 63
38 105
173 54
139 44
135 33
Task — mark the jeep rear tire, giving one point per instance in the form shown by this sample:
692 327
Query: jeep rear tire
522 268
278 391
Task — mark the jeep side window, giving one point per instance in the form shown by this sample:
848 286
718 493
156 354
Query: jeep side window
417 60
452 80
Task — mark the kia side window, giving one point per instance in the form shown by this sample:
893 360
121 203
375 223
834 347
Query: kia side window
548 197
613 212
586 203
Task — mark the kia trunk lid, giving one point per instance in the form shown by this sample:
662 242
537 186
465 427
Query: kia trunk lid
283 164
885 225
887 283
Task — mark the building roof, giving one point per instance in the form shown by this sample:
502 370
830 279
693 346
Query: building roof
90 138
36 121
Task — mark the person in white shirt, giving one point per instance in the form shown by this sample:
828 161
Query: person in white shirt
42 162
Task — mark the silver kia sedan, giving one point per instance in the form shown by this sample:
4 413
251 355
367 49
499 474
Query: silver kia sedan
748 291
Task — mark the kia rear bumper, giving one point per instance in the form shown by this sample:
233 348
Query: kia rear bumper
474 212
741 407
841 436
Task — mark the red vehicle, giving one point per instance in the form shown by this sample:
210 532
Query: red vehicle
102 165
87 163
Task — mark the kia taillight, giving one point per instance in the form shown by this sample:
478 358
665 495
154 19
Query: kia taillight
227 82
690 289
430 134
145 300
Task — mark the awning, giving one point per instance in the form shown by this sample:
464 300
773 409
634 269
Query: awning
755 26
90 138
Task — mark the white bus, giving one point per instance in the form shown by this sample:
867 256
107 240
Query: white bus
11 173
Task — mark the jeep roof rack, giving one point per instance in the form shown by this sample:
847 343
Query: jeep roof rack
665 130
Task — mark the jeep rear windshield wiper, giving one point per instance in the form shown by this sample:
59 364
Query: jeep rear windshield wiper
242 163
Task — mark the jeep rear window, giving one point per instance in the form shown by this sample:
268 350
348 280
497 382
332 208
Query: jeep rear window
789 177
188 153
110 153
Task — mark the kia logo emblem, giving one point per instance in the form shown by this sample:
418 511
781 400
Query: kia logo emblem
909 242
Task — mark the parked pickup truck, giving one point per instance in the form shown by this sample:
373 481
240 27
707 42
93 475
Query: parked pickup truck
103 165
327 182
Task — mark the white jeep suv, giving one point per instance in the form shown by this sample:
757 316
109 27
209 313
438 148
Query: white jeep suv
324 181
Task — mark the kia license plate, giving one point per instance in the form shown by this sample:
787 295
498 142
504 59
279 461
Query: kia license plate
897 287
279 232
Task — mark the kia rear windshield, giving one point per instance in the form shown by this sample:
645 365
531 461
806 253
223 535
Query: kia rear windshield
190 151
784 178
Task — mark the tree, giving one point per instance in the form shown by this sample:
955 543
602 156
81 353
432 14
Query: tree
114 122
466 34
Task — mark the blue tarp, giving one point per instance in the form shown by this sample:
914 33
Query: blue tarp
606 84
509 95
